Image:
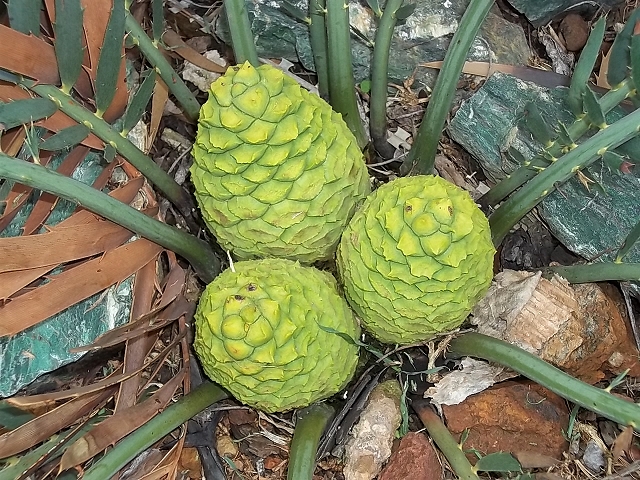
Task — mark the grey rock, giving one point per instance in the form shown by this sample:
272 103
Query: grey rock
592 223
45 346
539 13
593 457
423 37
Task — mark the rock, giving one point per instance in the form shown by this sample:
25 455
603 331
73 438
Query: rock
593 457
575 32
579 328
48 345
415 458
189 463
531 419
242 416
588 222
372 437
539 13
423 37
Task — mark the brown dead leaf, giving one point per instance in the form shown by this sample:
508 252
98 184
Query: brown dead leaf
177 45
16 55
485 69
42 427
74 285
622 443
152 321
167 468
45 401
60 245
95 19
119 425
11 141
137 349
47 201
159 100
56 122
532 459
11 282
601 77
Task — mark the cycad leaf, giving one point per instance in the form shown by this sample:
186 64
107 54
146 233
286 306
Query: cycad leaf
24 16
613 160
68 41
631 149
593 109
109 153
564 136
157 20
629 242
405 11
139 101
67 137
619 56
375 6
21 112
584 67
635 59
110 58
537 125
293 11
516 156
498 462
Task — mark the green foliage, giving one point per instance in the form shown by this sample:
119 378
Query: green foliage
110 59
68 45
498 462
567 150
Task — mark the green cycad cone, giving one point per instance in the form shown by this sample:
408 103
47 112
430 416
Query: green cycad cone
276 172
272 332
415 259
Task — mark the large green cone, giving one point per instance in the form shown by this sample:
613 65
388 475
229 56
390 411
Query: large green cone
277 172
272 332
415 259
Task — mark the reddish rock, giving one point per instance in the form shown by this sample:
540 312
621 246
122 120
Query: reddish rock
415 458
513 417
272 462
242 416
190 462
607 345
575 32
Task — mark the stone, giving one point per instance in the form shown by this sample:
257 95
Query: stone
593 457
539 13
592 222
579 328
47 346
415 459
371 439
423 37
531 419
575 32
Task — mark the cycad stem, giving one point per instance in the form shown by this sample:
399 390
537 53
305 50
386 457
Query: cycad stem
379 79
195 251
154 430
342 88
167 73
244 47
422 155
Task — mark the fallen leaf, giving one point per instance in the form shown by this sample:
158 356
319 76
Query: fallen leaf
119 425
74 285
42 427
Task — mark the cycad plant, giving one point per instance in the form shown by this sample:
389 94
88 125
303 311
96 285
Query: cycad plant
87 100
